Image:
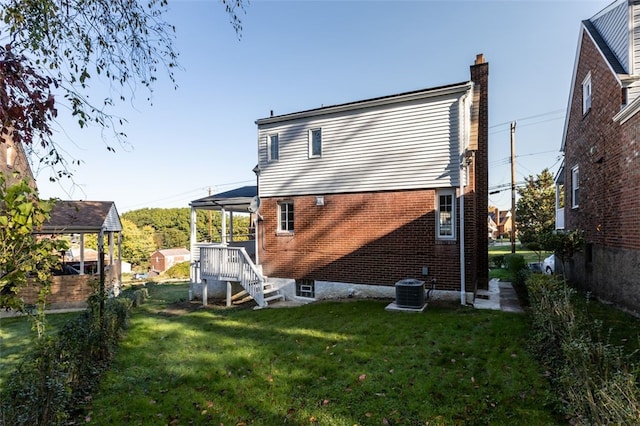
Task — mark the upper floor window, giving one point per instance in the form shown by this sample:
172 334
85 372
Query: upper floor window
446 215
586 94
575 187
315 143
285 216
273 148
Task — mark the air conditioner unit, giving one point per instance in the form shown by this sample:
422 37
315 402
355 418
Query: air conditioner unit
410 293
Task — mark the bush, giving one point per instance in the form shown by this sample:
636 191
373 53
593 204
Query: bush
597 380
498 261
180 270
56 377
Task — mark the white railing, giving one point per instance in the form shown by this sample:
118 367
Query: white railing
232 264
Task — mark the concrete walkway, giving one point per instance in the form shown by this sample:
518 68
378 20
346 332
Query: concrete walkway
499 296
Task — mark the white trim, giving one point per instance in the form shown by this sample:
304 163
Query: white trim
270 158
575 186
629 111
573 79
310 140
452 193
587 93
387 100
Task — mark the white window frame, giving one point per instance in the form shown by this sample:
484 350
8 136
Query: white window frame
575 187
286 225
270 156
587 94
451 209
312 154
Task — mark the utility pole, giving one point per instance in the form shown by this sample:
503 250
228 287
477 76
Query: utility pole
210 221
513 187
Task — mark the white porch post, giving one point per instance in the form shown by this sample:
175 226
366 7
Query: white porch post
82 254
231 226
192 244
224 227
228 293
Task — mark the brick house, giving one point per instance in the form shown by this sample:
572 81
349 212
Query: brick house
357 196
599 181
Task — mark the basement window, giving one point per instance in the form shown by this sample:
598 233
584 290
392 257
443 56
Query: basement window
306 288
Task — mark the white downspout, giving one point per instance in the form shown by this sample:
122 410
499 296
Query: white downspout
464 136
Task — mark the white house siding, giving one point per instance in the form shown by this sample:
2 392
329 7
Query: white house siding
634 91
363 148
613 27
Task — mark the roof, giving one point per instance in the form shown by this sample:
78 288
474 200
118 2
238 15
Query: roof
367 103
607 53
173 252
235 200
69 217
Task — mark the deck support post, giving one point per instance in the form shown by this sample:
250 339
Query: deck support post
204 292
228 294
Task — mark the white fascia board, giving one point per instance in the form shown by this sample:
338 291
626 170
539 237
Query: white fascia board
628 112
573 78
386 100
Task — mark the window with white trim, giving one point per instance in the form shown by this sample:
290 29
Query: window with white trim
315 143
273 148
575 187
285 216
446 215
586 94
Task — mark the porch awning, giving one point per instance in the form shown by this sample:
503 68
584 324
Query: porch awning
235 200
76 217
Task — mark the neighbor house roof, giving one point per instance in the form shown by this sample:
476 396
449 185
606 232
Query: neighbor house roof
236 200
69 217
173 252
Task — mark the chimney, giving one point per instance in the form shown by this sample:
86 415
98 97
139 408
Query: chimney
479 59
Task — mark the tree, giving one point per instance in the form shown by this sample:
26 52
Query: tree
535 210
137 243
23 256
58 46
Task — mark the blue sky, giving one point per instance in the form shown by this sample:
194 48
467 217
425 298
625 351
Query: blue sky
297 55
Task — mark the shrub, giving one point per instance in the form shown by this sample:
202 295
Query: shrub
180 270
597 380
54 379
498 261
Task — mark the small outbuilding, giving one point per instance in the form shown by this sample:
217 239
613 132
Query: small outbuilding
161 260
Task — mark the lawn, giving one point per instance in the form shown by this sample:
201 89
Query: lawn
329 363
16 336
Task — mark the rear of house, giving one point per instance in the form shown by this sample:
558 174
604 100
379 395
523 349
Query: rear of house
599 182
355 197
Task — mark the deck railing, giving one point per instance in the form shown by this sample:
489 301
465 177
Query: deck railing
232 264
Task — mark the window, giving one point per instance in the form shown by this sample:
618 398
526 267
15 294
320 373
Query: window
586 94
273 149
305 288
315 143
446 215
285 212
575 187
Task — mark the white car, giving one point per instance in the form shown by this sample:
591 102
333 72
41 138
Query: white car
548 265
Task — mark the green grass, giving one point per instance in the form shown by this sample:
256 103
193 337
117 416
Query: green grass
16 336
330 363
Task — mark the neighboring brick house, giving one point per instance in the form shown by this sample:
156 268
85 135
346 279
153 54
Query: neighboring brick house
599 182
358 196
161 260
13 160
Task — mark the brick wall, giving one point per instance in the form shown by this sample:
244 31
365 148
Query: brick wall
66 291
366 238
608 157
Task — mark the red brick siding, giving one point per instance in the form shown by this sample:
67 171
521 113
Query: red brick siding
366 238
66 290
608 156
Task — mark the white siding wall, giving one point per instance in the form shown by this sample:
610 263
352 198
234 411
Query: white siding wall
613 27
398 146
634 90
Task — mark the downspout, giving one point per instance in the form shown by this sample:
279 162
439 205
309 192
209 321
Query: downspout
464 105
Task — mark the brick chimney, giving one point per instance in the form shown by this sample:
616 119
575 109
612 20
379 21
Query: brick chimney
480 143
